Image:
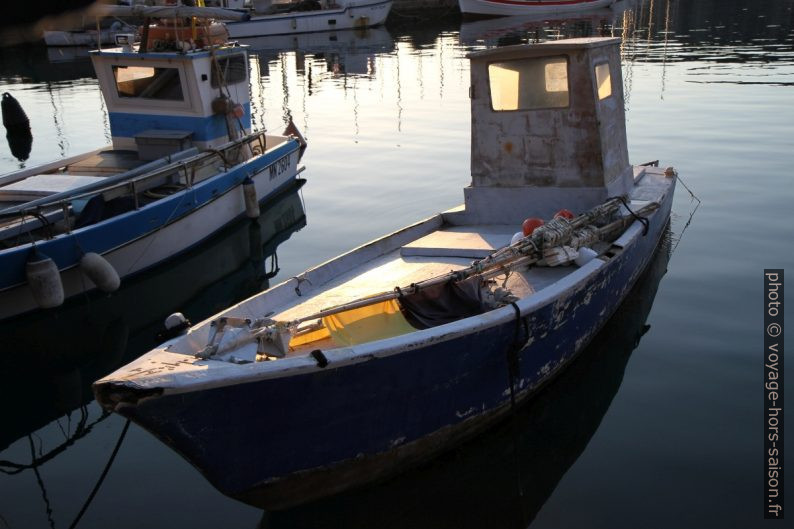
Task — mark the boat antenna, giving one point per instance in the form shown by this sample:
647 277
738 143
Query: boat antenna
98 35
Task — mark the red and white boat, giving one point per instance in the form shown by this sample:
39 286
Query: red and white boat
527 7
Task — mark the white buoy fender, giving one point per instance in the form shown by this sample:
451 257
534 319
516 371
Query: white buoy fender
585 256
44 280
251 202
175 320
175 324
517 236
100 271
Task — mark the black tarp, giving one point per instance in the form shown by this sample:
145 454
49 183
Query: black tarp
443 303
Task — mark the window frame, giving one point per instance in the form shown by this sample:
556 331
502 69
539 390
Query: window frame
229 57
120 103
534 109
116 67
595 78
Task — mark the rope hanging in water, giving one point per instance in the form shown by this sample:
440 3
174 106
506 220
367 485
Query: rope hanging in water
102 476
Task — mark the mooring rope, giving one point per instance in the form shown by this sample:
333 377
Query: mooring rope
102 476
644 221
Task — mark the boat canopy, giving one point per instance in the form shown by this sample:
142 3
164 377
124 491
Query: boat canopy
548 129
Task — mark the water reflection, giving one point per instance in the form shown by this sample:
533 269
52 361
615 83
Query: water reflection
308 60
710 31
390 82
502 478
48 361
41 64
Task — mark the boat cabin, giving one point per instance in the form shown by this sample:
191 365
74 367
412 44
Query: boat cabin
548 129
164 102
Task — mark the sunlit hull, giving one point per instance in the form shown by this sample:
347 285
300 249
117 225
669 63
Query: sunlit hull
362 14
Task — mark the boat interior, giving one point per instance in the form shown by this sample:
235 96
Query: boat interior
431 249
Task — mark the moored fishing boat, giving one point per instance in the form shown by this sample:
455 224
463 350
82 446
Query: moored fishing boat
308 16
528 7
183 163
393 351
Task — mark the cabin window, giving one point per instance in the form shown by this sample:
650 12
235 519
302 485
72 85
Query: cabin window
603 80
232 69
527 84
148 82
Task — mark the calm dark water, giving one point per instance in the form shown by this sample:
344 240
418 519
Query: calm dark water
667 434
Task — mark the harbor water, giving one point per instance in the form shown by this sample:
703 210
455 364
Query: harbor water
657 425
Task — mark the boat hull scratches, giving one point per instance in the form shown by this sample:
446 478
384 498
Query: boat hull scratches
460 386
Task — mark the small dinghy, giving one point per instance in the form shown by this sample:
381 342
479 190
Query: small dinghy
184 163
393 351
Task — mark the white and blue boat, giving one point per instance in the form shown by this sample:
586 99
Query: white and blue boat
184 162
392 352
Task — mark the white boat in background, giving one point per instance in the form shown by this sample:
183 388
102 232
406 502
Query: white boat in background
527 7
87 37
308 16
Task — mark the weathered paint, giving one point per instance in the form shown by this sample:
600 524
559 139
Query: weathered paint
542 160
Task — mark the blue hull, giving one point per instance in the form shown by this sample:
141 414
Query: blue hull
115 233
263 442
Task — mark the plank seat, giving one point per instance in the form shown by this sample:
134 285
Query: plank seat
470 242
106 163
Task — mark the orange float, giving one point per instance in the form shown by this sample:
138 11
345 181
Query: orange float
564 213
166 34
530 225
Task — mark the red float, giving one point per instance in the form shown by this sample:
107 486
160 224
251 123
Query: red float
531 224
567 214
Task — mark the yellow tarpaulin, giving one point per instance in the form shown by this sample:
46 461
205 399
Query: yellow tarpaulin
366 324
313 336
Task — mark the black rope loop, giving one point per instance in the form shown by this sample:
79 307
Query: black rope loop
645 223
